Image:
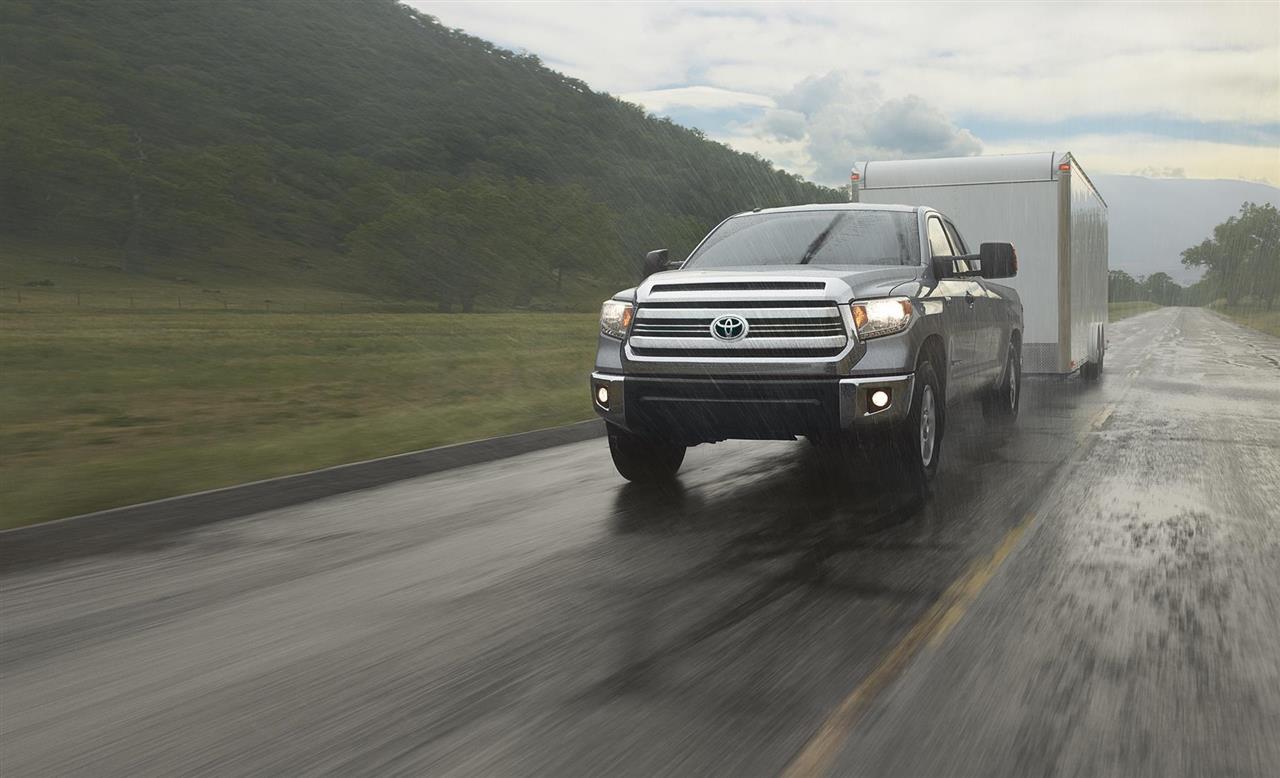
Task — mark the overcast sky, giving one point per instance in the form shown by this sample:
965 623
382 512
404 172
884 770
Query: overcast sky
1186 89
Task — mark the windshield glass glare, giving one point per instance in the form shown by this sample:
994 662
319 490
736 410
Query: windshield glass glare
812 238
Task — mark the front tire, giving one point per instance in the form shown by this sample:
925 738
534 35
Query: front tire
917 442
642 459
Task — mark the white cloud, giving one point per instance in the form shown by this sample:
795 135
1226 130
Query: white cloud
784 124
1218 61
1127 153
792 155
904 72
844 119
911 127
1155 172
660 100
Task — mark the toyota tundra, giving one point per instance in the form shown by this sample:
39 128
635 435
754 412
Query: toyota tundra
856 326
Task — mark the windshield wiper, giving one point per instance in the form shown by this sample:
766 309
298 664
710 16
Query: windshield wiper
818 242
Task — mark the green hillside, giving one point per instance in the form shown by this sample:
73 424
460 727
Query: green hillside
361 147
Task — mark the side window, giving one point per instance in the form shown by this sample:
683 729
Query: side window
939 246
956 239
958 244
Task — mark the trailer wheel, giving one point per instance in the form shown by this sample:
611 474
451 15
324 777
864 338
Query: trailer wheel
1092 370
642 459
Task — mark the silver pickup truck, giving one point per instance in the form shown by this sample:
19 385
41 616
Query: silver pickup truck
853 325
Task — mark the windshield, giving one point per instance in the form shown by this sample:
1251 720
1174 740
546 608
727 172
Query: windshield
812 238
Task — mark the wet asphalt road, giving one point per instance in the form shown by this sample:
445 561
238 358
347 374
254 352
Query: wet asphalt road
536 615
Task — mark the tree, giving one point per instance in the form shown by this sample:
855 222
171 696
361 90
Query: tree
1122 287
1260 225
1161 289
1242 259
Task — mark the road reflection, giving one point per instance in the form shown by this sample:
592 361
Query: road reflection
807 536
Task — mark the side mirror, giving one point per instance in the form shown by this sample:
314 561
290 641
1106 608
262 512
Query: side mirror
654 262
999 260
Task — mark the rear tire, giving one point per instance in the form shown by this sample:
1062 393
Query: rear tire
917 442
1091 371
641 459
1000 405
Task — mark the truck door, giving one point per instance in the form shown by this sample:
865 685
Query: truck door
988 328
959 316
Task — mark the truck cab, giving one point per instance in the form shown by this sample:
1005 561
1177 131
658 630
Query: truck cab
853 325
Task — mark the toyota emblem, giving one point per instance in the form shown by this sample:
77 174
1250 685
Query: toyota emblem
729 328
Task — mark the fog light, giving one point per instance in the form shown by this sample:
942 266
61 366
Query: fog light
602 396
880 399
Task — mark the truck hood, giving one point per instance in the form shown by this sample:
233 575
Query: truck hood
841 283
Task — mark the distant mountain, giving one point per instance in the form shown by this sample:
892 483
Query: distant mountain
441 166
1153 219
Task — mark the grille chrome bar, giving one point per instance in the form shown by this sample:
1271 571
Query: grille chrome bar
782 328
698 330
746 344
696 311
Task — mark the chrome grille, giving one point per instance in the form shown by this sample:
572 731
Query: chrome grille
801 328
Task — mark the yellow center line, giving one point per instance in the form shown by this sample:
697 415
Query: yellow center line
822 749
817 755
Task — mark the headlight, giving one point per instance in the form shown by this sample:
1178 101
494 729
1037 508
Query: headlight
615 318
874 318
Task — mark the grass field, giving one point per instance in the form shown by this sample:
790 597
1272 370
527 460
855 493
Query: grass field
257 276
106 408
252 361
260 276
1118 311
1256 317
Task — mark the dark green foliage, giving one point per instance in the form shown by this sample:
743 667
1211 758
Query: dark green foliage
1241 262
436 159
1122 287
1242 259
1158 288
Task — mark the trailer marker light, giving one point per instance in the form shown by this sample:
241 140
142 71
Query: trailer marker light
1064 167
880 399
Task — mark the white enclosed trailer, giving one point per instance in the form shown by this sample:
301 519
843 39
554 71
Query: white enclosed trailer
1046 206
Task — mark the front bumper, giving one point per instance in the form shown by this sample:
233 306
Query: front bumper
695 410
